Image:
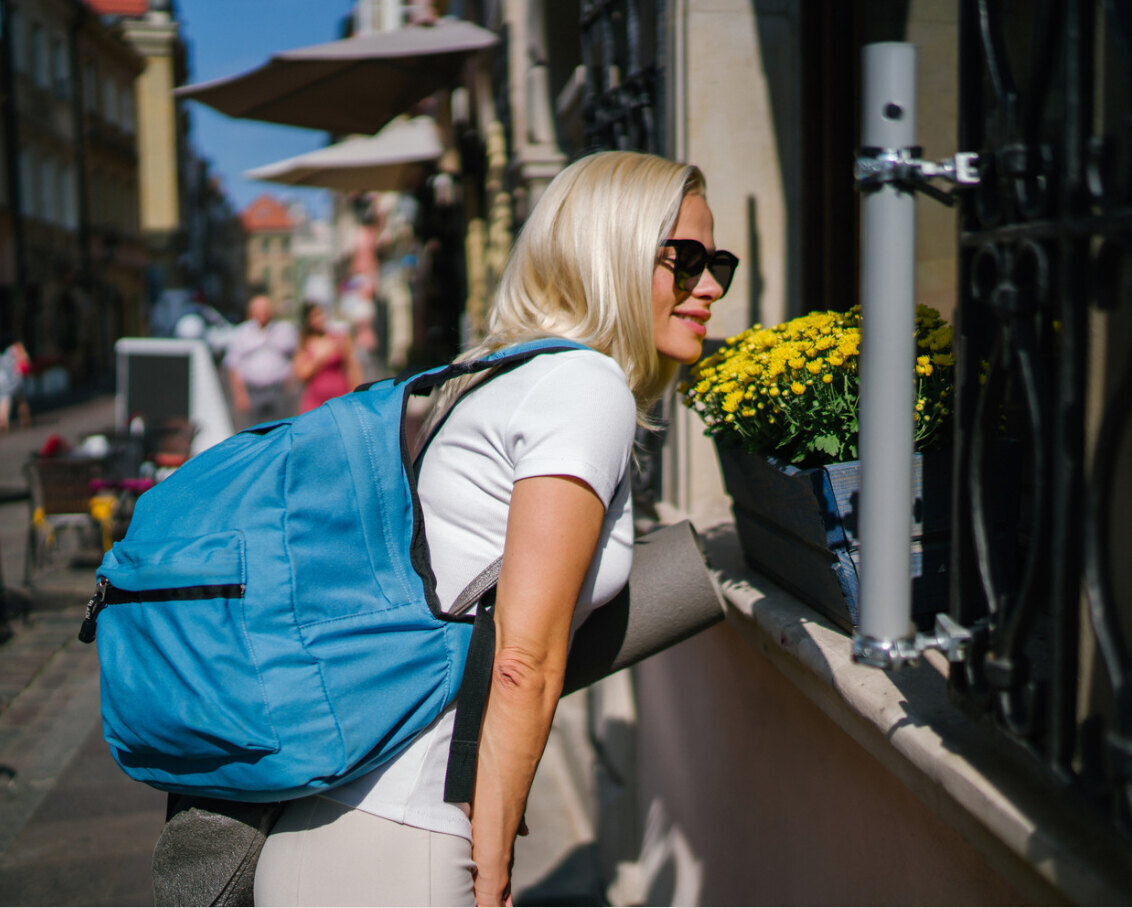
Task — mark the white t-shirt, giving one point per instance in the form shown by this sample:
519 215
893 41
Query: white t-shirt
262 355
562 414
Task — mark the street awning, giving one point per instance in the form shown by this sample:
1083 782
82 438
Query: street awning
394 159
355 85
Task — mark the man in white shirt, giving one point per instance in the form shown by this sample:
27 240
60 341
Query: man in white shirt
258 363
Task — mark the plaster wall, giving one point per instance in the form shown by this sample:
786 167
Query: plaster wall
737 113
723 116
933 26
750 795
724 125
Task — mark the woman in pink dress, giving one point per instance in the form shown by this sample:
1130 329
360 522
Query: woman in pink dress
325 362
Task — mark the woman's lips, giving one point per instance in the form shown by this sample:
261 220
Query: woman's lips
695 319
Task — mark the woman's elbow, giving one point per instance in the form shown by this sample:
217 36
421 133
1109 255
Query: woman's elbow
519 673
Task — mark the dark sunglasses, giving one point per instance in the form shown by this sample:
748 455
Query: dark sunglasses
692 258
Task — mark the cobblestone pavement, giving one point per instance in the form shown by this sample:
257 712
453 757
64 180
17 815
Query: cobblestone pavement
74 829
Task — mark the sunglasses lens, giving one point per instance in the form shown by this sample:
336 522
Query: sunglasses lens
691 257
722 267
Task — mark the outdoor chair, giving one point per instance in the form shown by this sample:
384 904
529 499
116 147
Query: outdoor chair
59 491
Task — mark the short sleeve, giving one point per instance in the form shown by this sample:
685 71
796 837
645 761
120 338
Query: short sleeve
288 337
578 419
235 348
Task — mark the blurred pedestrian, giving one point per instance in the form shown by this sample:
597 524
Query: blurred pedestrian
258 363
14 365
325 362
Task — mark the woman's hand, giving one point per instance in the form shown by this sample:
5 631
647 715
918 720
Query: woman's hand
553 526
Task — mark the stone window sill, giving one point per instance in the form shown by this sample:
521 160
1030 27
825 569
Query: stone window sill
1044 845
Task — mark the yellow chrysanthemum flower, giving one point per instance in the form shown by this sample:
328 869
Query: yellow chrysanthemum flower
730 388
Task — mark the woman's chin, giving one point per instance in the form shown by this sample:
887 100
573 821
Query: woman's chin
685 354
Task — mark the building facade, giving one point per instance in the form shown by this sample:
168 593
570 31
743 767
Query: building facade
109 190
757 763
191 231
164 169
312 251
103 201
72 264
270 259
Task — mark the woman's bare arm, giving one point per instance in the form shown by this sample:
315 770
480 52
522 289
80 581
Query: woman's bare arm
553 526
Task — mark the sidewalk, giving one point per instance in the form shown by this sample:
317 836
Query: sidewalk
75 830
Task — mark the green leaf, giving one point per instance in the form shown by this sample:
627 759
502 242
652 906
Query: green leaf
828 444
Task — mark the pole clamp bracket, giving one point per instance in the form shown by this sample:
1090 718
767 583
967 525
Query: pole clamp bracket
905 169
949 637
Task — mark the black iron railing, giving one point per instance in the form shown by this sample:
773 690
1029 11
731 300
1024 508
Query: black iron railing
622 52
1044 411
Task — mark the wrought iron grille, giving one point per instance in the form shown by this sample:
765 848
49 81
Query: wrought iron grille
622 49
1044 447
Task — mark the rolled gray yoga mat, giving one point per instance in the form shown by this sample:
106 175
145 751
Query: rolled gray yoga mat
670 596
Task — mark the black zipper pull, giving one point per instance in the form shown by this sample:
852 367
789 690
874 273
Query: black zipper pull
96 604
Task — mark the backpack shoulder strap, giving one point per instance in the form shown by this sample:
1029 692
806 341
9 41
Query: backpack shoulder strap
470 702
424 382
460 777
495 364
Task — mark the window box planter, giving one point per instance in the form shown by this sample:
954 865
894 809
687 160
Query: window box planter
799 528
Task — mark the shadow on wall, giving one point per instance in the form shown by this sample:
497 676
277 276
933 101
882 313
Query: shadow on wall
753 263
572 882
780 38
810 73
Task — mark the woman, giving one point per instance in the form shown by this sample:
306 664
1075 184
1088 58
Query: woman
325 362
534 465
14 366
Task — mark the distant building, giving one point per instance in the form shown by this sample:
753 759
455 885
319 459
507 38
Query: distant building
183 214
268 229
312 254
162 139
71 258
213 261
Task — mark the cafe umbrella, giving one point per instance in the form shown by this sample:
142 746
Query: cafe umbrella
395 159
355 85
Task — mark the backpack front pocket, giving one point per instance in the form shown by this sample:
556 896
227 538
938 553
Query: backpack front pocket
179 677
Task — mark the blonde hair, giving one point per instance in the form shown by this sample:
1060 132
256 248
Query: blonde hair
582 267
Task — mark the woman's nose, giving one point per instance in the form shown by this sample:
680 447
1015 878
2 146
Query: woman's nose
707 287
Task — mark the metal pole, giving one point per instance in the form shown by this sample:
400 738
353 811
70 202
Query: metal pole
888 248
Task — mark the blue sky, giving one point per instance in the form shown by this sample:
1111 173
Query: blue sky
226 37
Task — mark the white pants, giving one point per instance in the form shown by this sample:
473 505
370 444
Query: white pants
324 853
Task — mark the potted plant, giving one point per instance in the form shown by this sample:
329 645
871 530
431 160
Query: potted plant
781 405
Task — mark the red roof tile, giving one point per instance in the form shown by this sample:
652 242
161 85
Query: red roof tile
119 7
265 213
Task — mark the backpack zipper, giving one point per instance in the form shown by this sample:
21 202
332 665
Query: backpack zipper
105 594
95 605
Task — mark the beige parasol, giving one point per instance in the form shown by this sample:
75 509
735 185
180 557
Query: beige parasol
396 158
355 85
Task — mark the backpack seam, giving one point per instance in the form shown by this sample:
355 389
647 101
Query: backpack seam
326 695
248 642
365 429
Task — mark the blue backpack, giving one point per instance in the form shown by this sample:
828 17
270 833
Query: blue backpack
269 627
